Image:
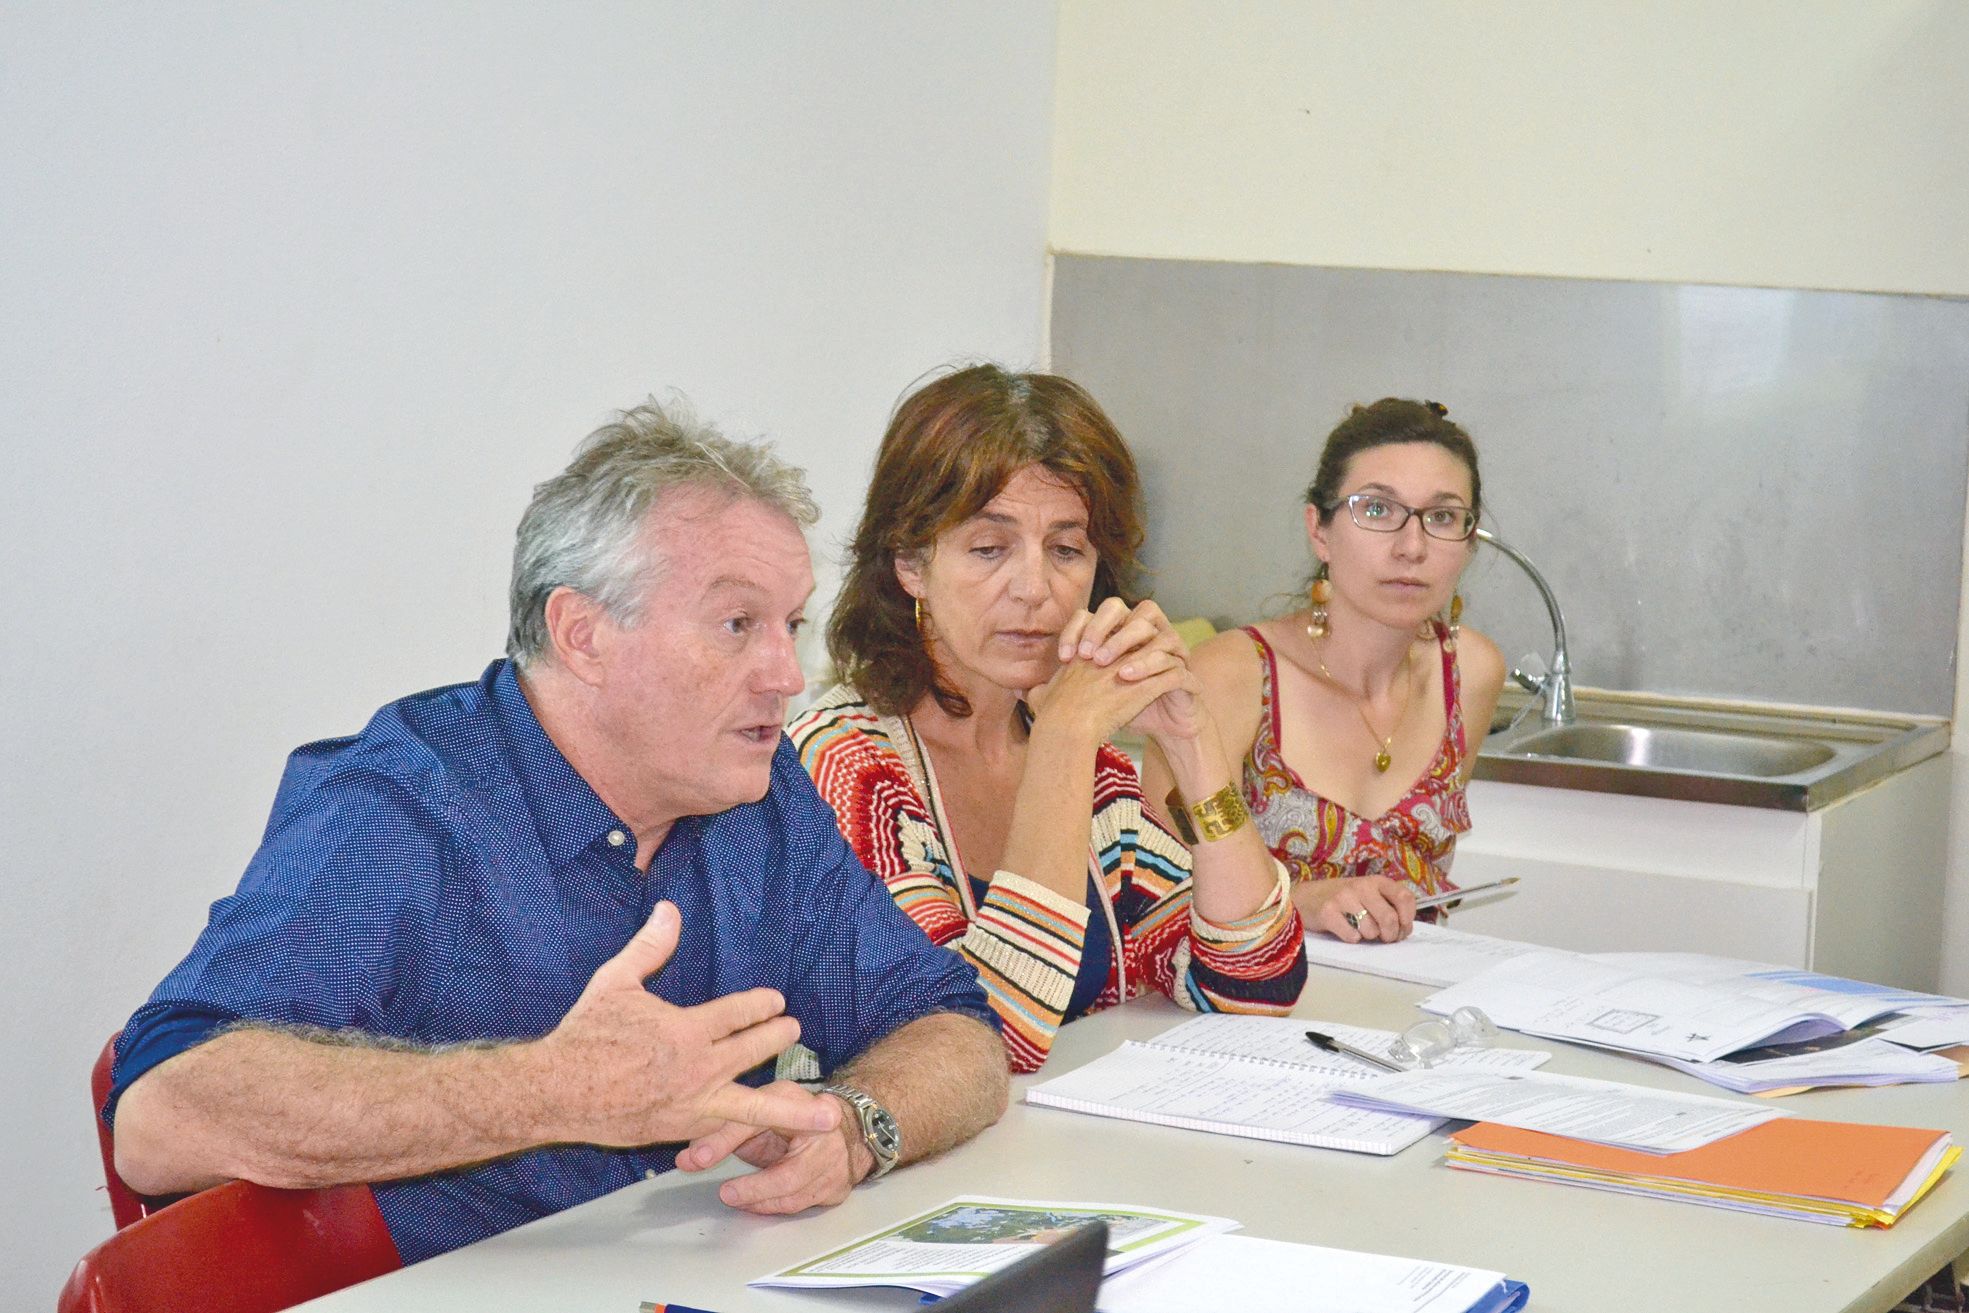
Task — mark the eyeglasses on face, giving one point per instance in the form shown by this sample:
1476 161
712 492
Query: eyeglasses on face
1378 514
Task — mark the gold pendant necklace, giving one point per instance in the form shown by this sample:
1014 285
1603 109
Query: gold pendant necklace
1386 757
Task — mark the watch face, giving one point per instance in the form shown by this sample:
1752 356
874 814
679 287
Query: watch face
878 1129
883 1135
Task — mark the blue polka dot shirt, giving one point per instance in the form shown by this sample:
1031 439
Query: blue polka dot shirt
445 875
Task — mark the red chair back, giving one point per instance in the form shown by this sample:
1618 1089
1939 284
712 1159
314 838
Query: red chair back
236 1248
125 1204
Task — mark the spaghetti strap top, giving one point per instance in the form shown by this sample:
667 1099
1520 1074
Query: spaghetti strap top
1318 839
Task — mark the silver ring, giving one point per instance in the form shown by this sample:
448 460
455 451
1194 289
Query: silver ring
1354 919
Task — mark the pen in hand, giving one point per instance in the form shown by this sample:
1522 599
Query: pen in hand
1341 1046
1451 897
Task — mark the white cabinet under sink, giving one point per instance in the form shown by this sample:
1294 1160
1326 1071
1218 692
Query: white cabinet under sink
1854 888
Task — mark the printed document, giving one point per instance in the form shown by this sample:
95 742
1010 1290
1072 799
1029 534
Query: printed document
1786 984
1606 1112
1433 955
1246 1273
1853 1058
1940 1031
958 1242
1571 996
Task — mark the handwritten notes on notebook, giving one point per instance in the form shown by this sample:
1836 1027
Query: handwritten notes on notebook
1255 1077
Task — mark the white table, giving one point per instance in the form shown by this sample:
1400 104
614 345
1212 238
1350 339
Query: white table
1580 1250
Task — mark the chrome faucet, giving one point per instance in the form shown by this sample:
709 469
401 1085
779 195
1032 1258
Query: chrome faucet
1554 687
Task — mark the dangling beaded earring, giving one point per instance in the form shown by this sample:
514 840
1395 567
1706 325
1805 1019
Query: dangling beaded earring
1449 624
1444 623
1319 595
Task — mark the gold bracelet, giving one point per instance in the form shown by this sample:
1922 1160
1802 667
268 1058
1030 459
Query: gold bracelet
1221 814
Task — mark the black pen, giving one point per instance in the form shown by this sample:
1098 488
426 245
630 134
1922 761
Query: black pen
1332 1045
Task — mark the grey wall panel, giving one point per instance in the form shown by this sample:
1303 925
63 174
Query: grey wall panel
1736 492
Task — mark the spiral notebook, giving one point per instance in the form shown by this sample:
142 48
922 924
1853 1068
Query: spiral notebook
1255 1077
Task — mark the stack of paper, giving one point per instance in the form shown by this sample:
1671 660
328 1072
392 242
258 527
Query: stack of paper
1244 1272
1256 1077
1432 955
1848 1059
1692 1015
1839 1173
944 1250
1606 1112
1921 1028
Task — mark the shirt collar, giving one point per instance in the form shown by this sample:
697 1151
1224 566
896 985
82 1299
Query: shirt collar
568 813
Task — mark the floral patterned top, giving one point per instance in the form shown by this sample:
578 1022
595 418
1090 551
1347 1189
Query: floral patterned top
1318 839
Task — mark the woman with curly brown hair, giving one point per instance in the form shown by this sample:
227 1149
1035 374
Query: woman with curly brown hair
989 650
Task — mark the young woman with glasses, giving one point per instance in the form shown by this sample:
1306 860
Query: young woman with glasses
1358 716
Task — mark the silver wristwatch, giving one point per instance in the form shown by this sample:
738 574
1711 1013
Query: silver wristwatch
878 1129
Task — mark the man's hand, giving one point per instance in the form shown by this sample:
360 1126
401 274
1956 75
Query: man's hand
799 1172
626 1068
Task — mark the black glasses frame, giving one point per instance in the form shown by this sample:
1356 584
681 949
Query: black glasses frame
1353 505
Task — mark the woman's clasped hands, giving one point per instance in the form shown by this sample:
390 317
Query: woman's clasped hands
1122 667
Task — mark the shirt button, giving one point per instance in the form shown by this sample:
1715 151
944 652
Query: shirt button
617 838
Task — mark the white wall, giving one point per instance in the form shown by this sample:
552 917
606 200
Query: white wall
300 302
1791 143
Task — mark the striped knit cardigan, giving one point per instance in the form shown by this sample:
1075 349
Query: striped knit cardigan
1026 940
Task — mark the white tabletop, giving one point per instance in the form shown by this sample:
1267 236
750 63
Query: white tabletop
670 1239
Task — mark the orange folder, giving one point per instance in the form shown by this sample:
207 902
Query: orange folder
1844 1162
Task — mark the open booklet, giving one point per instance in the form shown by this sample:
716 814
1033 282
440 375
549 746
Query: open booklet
968 1238
1257 1077
1686 1006
1158 1262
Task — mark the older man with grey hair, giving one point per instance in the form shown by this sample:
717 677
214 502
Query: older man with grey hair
523 941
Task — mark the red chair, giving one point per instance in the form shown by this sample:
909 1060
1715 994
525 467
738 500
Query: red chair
125 1204
236 1248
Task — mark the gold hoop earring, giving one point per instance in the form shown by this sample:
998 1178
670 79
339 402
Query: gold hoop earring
1317 598
918 602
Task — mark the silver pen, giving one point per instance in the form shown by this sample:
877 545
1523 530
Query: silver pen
1453 896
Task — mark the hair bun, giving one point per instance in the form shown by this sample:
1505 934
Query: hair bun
1437 408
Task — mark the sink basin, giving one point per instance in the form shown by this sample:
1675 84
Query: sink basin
1701 750
1661 748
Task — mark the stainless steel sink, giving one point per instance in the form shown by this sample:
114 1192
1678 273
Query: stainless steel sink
1703 751
1678 749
